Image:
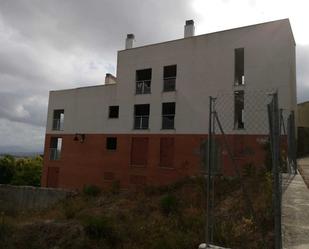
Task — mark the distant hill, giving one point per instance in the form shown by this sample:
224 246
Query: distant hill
18 151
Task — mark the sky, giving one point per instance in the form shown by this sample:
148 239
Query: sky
59 44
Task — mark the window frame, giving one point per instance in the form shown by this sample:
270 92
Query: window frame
54 151
168 115
239 67
58 122
143 84
169 80
141 117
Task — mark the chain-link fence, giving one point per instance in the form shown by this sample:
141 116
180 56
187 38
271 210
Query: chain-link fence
248 130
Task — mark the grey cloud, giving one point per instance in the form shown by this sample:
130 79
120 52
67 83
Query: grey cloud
22 108
96 24
19 137
19 63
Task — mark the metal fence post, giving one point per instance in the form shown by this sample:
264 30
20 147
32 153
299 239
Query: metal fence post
293 143
276 169
208 221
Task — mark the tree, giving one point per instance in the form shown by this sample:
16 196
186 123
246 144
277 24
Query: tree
28 172
7 169
23 171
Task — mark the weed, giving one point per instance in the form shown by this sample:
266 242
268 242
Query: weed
6 231
69 209
91 190
249 170
169 204
100 227
115 188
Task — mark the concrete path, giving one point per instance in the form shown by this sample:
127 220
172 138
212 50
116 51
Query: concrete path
303 165
295 209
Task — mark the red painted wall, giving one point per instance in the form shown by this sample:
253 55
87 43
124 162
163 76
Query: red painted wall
91 163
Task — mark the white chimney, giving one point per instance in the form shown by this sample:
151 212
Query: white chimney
110 79
189 28
129 41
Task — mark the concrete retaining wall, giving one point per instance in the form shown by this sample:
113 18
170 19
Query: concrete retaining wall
26 197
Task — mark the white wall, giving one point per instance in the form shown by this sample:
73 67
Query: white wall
205 66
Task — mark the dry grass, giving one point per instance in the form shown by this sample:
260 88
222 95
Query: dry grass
155 217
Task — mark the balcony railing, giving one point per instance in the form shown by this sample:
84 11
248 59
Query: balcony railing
54 154
141 122
240 80
169 84
143 86
58 124
168 121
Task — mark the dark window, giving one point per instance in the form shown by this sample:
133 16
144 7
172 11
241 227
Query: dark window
239 66
168 115
113 111
239 104
58 119
111 143
143 81
141 116
55 148
139 151
169 78
167 152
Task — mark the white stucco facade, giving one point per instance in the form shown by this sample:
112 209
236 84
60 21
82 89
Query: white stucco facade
205 67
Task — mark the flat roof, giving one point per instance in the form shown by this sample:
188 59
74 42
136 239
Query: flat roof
83 87
212 33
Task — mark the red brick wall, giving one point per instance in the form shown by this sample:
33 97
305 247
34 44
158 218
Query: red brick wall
167 151
91 163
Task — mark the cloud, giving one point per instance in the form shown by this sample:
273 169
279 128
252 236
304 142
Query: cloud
97 24
20 137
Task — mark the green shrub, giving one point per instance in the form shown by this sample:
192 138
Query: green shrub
100 227
28 172
169 204
91 190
